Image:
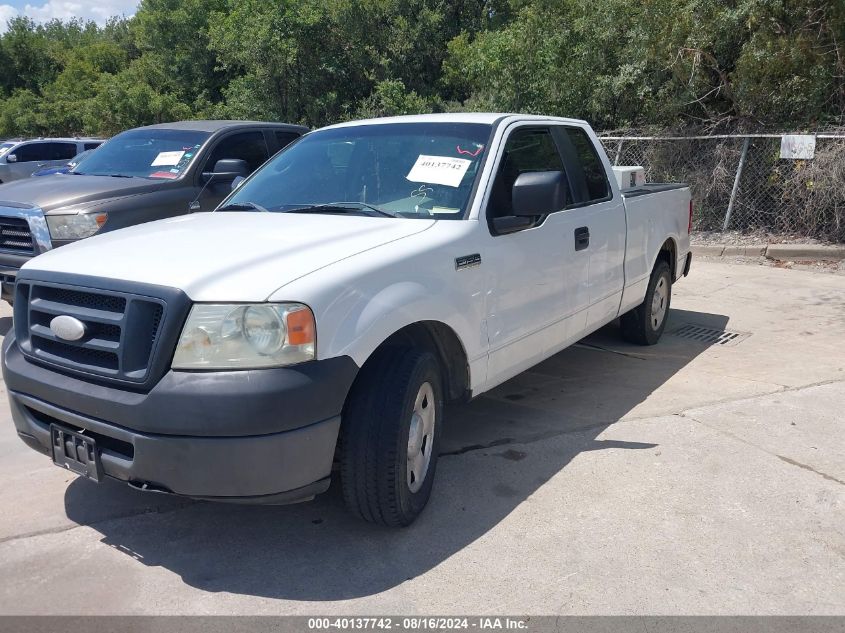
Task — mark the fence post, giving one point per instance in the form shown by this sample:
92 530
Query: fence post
618 153
736 183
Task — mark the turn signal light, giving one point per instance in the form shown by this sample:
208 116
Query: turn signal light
300 324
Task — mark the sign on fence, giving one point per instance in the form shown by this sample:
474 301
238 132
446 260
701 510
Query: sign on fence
798 146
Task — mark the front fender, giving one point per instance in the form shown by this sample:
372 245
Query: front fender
359 302
367 322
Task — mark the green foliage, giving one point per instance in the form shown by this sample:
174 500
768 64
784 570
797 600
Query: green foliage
752 63
765 63
390 98
127 100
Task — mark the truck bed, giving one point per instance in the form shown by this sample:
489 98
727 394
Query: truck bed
652 187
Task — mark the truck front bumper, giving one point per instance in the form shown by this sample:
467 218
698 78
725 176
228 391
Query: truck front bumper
262 436
27 217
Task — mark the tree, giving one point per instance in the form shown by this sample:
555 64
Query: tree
738 63
173 36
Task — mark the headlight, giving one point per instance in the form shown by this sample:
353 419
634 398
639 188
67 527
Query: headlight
75 227
226 336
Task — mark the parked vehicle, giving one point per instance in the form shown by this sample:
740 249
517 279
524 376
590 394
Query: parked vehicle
63 169
20 158
140 175
331 305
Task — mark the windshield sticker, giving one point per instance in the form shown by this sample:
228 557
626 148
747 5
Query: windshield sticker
162 174
471 152
167 158
439 170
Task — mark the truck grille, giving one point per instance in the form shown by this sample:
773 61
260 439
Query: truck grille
119 340
15 235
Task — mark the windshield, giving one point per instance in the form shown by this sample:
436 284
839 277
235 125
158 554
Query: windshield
144 153
5 147
406 169
78 158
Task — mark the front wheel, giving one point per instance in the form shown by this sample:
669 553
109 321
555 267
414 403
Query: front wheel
391 436
645 324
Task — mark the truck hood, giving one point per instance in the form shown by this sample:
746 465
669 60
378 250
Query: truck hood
237 256
68 190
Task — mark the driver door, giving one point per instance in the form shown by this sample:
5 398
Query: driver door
537 295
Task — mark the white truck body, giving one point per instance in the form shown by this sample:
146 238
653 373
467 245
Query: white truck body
510 300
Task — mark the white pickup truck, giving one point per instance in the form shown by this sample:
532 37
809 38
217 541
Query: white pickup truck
332 303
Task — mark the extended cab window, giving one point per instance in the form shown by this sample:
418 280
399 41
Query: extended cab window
594 172
530 149
248 146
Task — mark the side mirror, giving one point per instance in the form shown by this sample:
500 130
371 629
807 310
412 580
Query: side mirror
237 182
11 158
227 169
538 193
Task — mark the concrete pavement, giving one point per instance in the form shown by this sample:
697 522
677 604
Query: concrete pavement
685 478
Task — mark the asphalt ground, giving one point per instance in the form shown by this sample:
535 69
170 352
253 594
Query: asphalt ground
691 477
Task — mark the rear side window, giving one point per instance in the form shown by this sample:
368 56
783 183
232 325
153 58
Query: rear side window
594 172
88 146
248 146
285 138
63 151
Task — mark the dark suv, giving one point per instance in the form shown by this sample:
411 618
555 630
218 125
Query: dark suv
140 175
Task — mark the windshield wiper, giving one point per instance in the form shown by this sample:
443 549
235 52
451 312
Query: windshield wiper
343 207
120 175
242 206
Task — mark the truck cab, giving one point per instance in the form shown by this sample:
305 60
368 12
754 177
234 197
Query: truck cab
317 321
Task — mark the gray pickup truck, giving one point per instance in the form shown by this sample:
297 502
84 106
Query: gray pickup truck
144 174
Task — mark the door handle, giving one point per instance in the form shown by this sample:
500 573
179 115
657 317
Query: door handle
582 238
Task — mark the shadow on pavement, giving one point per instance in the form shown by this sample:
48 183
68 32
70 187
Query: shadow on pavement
5 325
316 551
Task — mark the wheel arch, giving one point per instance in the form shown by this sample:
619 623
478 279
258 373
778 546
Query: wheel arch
668 252
444 343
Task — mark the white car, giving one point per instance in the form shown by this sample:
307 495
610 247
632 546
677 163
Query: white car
328 308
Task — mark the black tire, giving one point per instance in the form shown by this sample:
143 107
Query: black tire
374 444
638 325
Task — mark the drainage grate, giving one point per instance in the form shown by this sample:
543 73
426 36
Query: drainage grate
709 335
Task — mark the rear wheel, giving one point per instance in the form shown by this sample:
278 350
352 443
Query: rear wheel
645 324
391 435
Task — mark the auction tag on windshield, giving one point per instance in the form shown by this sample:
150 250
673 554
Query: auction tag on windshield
167 158
439 170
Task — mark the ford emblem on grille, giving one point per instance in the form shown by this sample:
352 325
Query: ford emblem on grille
67 328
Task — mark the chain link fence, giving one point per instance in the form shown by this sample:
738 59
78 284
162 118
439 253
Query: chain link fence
741 183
